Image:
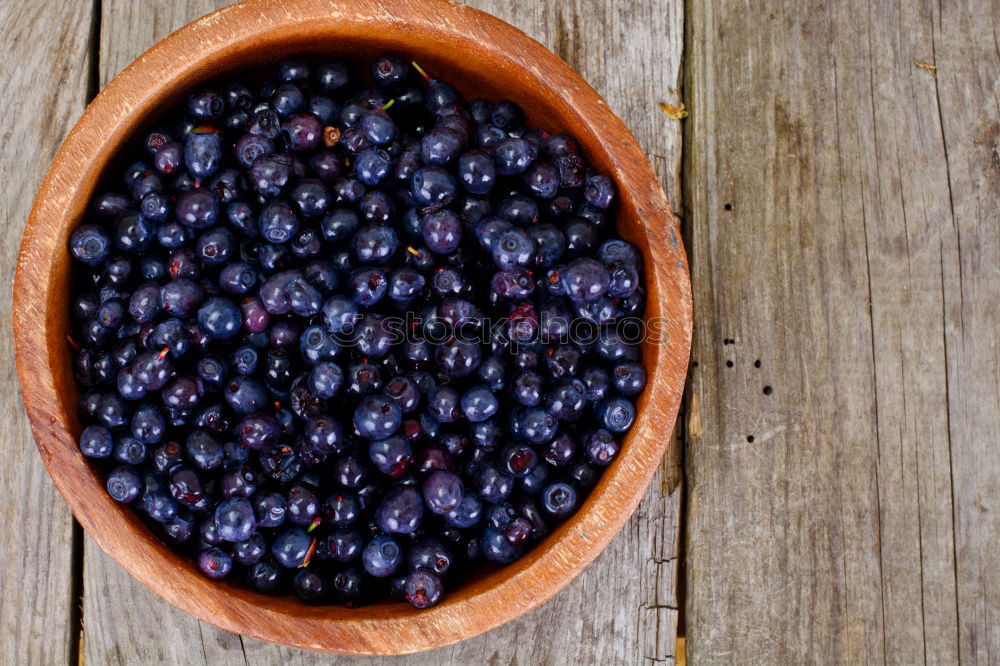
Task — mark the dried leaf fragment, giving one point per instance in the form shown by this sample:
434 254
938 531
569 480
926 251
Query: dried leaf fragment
926 66
674 112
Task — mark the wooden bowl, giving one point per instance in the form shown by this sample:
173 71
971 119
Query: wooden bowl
482 56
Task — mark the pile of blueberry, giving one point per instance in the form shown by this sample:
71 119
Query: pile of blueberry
345 334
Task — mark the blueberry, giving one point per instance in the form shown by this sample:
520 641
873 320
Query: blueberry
479 403
477 172
301 506
377 417
496 548
513 156
220 318
559 499
302 131
372 165
513 248
324 434
203 154
617 250
237 278
560 451
291 547
251 146
215 563
401 511
599 191
147 424
405 284
198 209
205 105
600 447
493 484
367 286
381 556
269 509
344 545
325 379
628 377
442 491
245 395
581 236
90 244
269 174
311 198
458 358
507 115
278 222
240 482
440 146
432 185
375 243
158 505
259 431
287 99
250 551
124 484
542 179
423 588
389 71
441 230
585 280
339 225
204 450
129 450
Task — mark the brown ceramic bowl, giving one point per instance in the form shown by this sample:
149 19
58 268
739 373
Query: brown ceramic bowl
482 56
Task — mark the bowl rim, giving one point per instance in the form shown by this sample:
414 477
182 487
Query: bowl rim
477 606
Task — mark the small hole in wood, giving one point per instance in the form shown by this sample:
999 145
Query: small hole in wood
694 364
728 206
750 438
768 390
756 363
729 364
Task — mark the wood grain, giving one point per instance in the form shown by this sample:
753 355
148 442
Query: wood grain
641 623
44 81
256 32
843 225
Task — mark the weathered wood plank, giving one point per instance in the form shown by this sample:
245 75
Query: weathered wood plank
44 81
626 600
967 87
829 183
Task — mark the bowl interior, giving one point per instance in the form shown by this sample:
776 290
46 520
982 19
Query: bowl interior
480 56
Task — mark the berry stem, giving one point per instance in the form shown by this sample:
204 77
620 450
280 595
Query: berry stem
421 71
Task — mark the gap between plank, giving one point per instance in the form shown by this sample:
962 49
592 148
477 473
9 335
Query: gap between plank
77 537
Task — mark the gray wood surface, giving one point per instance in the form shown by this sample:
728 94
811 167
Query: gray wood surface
44 82
623 609
844 231
842 222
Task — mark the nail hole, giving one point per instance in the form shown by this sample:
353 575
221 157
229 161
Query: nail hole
768 390
728 206
694 364
750 438
756 363
729 364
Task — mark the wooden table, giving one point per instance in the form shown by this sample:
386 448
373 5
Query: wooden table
839 188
